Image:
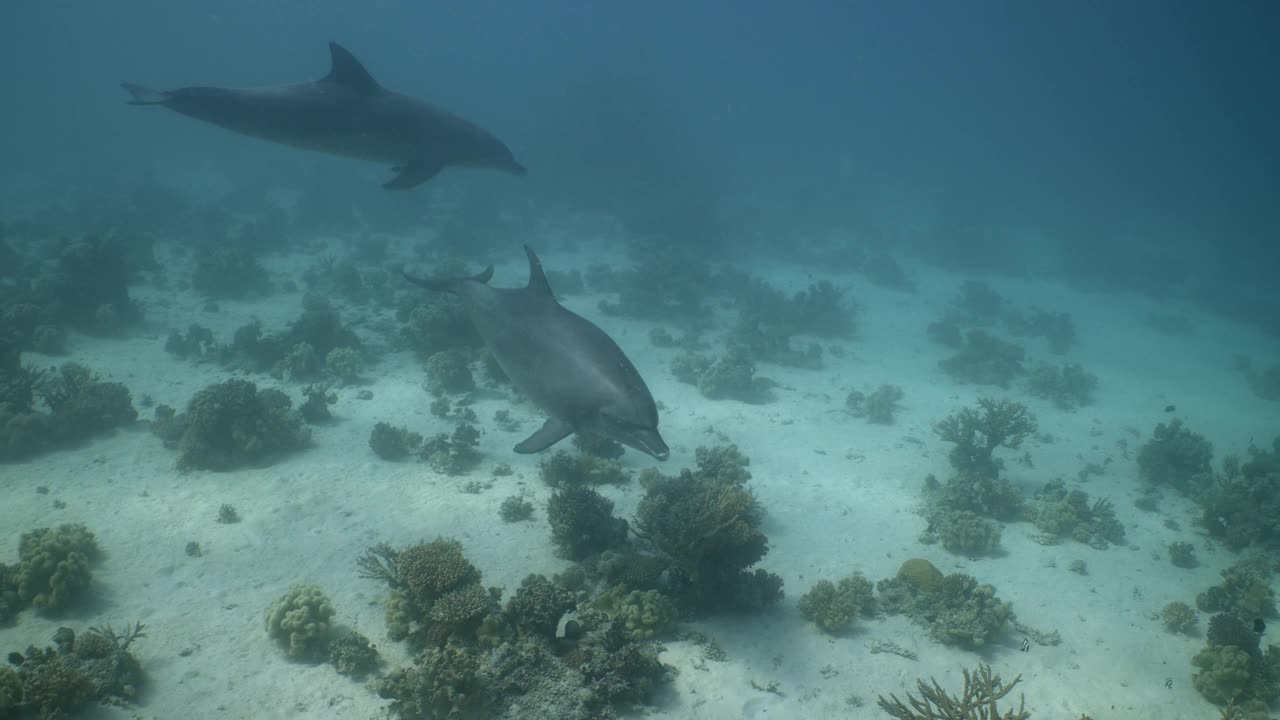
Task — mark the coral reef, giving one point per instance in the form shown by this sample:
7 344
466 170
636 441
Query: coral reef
1242 508
537 606
834 606
962 532
449 372
1059 512
53 566
984 359
732 376
1179 617
1177 457
232 424
57 683
978 432
957 610
229 272
453 454
80 406
393 443
563 469
1055 327
879 407
299 621
1183 555
1245 591
707 524
436 591
644 613
515 508
1067 386
979 700
582 522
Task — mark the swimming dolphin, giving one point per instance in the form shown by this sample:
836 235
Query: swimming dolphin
567 366
345 113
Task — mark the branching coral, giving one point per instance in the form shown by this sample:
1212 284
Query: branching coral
232 424
1178 457
563 469
732 376
983 690
978 432
1061 512
1243 507
582 522
707 523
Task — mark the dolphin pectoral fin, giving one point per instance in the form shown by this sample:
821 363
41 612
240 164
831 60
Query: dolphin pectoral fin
552 431
143 95
413 174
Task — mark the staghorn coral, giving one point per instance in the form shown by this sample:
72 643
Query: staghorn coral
979 700
978 432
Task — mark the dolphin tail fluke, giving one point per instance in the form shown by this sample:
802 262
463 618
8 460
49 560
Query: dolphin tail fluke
143 95
449 285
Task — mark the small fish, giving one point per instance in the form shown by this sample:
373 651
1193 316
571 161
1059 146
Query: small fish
1170 408
1259 625
1026 645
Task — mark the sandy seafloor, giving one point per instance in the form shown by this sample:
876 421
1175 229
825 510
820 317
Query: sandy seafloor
840 495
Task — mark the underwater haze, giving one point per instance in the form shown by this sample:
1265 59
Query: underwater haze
697 360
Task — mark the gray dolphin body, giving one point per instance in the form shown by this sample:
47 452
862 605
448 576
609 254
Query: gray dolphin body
569 367
345 113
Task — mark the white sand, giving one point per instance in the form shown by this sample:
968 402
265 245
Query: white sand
840 495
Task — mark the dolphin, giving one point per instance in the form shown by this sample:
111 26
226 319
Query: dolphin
566 365
344 113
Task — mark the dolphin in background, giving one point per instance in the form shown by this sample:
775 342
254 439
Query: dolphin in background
567 366
345 113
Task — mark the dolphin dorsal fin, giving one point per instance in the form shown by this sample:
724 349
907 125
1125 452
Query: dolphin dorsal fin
348 72
537 278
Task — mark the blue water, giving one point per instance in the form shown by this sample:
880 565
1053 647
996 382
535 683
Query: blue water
1116 162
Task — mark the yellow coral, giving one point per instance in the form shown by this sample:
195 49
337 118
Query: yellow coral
921 574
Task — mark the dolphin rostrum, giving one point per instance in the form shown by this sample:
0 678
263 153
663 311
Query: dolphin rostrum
567 366
345 113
